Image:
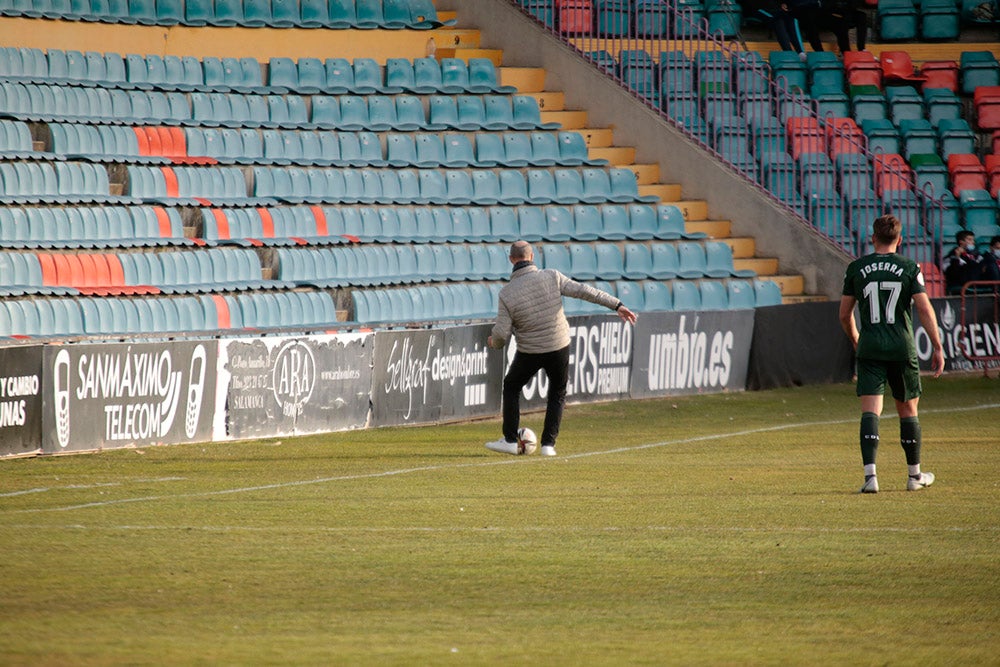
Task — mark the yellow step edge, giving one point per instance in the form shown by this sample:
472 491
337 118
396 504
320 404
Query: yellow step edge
646 174
598 137
716 229
458 38
743 246
803 298
693 209
762 266
525 79
464 54
570 120
550 100
661 190
619 156
789 284
447 15
669 193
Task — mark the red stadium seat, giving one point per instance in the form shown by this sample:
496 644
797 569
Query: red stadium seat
967 173
49 275
320 216
153 139
140 135
987 102
933 279
897 66
862 69
892 173
844 136
575 16
940 74
993 173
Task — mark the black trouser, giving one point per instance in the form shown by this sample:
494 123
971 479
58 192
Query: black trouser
522 369
808 17
841 24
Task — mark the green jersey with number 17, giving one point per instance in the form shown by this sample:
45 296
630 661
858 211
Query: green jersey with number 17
884 286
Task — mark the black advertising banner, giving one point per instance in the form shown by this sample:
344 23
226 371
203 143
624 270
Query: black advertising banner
600 362
119 395
424 376
799 344
293 386
20 400
978 337
469 373
691 352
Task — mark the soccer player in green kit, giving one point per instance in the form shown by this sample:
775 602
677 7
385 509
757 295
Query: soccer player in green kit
883 284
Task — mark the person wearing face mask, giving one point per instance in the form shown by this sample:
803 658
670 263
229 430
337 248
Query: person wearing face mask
991 264
963 263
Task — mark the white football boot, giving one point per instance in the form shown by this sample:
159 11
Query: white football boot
548 450
921 481
870 485
502 446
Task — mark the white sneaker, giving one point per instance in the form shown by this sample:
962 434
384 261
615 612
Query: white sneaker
870 485
502 446
548 450
921 481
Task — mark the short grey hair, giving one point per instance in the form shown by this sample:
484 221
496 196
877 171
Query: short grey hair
520 250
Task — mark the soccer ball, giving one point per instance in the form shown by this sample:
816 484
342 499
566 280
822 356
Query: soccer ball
527 441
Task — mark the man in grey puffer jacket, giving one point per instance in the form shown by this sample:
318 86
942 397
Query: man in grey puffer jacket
531 309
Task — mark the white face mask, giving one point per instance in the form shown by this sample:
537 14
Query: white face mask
996 252
970 247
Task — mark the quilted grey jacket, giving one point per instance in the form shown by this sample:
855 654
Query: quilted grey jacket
531 308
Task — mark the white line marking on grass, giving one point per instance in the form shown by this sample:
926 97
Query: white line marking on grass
44 489
478 464
515 529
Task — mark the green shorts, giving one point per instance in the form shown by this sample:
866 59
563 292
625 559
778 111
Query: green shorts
903 378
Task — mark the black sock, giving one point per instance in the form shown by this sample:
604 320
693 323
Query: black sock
909 438
869 437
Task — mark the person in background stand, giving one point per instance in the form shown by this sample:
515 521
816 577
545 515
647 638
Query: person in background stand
991 268
531 310
842 15
963 263
777 18
808 13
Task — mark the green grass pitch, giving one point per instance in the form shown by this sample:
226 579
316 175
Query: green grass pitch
705 530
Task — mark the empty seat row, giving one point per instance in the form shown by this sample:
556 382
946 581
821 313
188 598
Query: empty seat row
15 139
473 300
90 226
403 112
454 186
425 304
52 102
327 147
384 264
388 224
207 270
330 14
186 183
338 76
107 315
474 224
57 182
426 76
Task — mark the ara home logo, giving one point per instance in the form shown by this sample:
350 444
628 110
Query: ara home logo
294 377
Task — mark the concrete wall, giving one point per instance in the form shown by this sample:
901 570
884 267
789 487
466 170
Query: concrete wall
777 232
